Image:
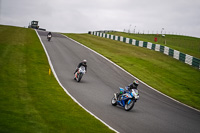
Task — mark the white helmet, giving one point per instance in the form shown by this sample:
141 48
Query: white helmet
135 82
85 61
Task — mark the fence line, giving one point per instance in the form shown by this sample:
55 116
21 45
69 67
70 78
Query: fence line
188 59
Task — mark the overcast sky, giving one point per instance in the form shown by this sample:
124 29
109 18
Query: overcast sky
81 16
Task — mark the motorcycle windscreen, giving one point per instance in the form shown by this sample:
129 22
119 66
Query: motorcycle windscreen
82 68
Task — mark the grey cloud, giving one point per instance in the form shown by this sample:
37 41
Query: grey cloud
82 15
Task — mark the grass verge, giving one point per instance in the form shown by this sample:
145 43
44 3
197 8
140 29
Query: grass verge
185 44
31 100
170 76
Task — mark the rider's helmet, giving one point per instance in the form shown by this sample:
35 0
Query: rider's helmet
84 61
135 82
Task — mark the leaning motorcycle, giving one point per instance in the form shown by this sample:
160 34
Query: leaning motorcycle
79 74
127 99
49 37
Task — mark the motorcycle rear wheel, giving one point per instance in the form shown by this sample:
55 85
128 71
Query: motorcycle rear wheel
129 106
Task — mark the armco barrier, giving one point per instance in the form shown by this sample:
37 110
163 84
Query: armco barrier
188 59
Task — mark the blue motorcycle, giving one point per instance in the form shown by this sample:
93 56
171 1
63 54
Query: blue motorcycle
127 99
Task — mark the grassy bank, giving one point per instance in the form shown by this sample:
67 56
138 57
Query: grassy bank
170 76
31 101
185 44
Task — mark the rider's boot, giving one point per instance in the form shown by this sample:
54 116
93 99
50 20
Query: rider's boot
76 70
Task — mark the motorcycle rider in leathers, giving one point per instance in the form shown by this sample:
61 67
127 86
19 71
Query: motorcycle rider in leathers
49 34
133 85
83 63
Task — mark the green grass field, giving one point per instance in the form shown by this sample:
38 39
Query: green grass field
31 101
185 44
170 76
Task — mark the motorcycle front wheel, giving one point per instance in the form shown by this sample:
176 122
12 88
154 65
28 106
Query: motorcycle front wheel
129 105
79 77
114 101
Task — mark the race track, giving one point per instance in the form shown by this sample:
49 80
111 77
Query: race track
153 113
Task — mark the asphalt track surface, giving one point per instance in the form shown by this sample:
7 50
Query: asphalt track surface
152 113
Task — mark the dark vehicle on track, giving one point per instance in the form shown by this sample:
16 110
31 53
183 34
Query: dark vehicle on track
34 25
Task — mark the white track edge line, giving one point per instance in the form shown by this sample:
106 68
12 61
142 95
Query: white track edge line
134 76
52 68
